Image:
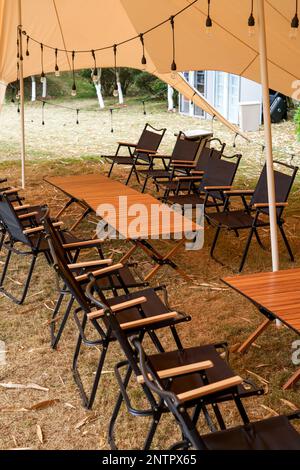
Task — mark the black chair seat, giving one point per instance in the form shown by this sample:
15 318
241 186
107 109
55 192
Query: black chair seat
156 173
270 434
127 279
153 306
193 199
121 160
173 185
220 371
235 220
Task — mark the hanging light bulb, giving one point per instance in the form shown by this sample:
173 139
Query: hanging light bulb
95 71
116 89
56 69
143 60
43 76
27 46
208 22
295 24
74 89
251 22
173 65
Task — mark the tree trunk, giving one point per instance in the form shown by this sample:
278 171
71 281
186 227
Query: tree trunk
120 91
98 87
44 88
33 88
170 98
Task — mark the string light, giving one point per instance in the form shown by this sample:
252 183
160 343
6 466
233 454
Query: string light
173 65
95 71
111 120
143 60
74 89
251 22
144 107
208 23
116 90
43 76
77 116
56 68
295 24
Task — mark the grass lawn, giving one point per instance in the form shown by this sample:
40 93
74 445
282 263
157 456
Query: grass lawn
62 147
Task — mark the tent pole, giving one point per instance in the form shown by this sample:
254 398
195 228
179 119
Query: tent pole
268 135
22 108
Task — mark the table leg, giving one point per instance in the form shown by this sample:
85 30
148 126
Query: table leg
162 260
65 207
128 254
292 380
246 344
83 215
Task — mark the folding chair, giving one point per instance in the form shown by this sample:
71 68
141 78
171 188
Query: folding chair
201 365
139 153
182 160
132 308
192 172
255 214
276 433
122 281
217 178
21 229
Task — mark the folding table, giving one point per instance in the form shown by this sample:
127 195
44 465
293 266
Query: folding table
277 296
92 191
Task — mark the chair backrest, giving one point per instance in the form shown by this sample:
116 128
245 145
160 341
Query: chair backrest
61 265
157 386
150 139
284 178
185 149
120 335
209 151
221 171
11 222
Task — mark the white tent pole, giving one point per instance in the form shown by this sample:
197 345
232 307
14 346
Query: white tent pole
268 134
22 110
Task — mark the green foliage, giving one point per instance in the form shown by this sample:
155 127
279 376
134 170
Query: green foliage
297 121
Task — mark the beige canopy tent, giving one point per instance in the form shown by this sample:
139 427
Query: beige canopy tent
269 56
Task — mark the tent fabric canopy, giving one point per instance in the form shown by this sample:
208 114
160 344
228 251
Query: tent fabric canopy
89 24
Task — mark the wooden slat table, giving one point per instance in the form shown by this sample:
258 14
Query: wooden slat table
277 296
92 191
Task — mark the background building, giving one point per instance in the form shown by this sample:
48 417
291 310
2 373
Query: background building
223 90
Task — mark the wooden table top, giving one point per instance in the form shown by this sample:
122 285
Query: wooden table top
98 190
277 292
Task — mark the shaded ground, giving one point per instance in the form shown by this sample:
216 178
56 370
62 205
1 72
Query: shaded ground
218 313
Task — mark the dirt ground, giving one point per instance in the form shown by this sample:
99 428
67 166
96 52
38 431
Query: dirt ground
54 418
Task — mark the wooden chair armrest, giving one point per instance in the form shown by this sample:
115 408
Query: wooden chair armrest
240 192
11 190
27 215
145 151
148 321
210 388
262 205
197 172
127 144
188 178
184 162
87 264
215 188
181 370
40 228
86 243
20 208
100 272
118 307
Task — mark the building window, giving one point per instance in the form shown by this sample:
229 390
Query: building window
184 103
199 84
